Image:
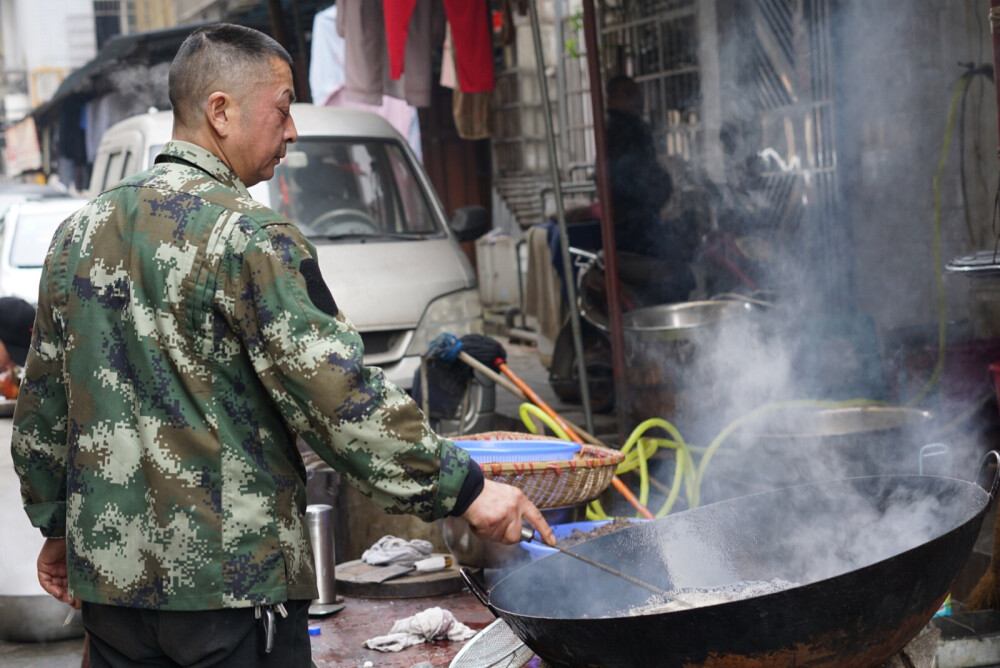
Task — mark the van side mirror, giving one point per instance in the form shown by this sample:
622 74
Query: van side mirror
470 222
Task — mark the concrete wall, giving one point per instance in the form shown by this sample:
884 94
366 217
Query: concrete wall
896 75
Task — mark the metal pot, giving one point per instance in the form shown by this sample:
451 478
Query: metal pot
663 347
669 322
802 424
871 560
798 445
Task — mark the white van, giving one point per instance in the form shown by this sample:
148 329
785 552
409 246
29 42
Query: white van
354 187
26 231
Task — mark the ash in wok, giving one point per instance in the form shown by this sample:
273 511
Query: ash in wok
687 598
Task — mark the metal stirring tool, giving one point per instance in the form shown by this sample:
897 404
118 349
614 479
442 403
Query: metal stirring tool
528 535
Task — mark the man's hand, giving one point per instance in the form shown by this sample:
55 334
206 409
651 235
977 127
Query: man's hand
498 514
52 573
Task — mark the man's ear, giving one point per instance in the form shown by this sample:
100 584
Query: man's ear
221 112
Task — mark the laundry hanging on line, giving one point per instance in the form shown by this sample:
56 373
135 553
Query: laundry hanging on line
327 82
388 46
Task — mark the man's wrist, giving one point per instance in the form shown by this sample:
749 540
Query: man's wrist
472 487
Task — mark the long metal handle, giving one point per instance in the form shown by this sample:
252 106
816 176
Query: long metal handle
505 383
492 375
550 135
528 535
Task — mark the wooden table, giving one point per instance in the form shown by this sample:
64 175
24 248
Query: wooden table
342 634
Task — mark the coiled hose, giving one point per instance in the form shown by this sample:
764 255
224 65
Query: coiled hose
639 448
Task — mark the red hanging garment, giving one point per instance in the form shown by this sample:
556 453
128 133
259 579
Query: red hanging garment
397 15
470 34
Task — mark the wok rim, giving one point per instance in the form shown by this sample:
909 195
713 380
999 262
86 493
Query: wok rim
881 563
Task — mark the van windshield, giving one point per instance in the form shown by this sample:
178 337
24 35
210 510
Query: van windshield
340 188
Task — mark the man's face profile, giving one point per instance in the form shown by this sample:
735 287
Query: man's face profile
265 126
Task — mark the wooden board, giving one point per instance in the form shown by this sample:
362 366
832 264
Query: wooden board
446 581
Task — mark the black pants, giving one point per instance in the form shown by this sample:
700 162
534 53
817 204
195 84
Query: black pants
121 637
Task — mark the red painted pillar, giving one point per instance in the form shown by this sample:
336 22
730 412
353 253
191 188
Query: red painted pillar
607 215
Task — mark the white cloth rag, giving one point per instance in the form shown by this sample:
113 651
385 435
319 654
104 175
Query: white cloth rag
398 551
431 624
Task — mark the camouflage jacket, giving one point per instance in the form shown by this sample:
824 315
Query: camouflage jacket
178 346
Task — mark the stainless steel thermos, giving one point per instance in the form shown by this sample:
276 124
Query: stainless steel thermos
319 520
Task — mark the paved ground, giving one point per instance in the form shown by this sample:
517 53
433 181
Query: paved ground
62 654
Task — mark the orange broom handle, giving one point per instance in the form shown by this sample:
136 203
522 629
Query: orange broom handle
630 497
538 401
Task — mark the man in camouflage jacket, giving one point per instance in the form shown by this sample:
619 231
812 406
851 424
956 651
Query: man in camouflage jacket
184 334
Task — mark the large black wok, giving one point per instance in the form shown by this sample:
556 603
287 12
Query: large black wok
870 561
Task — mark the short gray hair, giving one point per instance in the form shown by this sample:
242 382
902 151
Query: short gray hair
222 56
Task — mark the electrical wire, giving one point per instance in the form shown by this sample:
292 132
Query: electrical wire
977 74
976 33
969 228
527 411
942 307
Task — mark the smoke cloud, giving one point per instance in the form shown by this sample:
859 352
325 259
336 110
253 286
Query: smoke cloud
844 282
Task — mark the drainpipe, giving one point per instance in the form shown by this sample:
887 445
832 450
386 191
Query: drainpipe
995 30
607 216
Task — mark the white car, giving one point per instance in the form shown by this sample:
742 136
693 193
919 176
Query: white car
387 252
25 232
12 192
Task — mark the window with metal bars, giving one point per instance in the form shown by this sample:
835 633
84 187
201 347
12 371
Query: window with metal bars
107 20
654 41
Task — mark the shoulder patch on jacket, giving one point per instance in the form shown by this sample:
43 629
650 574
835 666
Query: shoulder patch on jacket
319 293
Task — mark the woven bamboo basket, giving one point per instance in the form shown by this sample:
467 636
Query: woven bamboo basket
553 484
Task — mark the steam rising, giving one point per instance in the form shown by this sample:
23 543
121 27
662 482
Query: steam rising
789 538
805 346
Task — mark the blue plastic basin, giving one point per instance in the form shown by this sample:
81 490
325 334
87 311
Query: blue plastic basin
519 451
